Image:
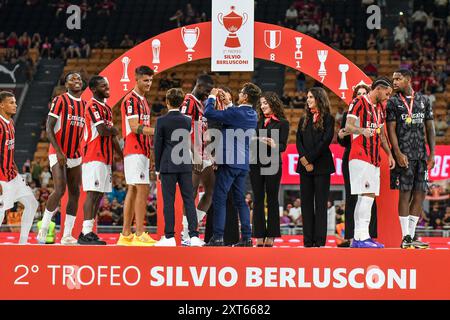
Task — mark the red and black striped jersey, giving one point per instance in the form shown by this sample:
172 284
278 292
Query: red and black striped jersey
193 108
69 112
135 106
367 116
8 170
97 147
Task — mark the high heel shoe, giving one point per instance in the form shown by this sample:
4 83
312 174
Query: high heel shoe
260 242
268 242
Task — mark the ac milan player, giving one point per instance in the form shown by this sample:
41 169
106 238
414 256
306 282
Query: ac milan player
365 122
99 139
409 116
65 126
12 186
136 132
203 172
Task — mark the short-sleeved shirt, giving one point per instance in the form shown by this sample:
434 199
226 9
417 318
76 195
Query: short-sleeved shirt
69 128
97 147
8 169
411 137
193 108
135 106
366 149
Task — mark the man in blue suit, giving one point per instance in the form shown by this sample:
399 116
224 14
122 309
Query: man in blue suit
173 162
239 124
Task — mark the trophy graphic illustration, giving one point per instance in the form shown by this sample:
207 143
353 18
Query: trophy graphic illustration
298 44
125 62
156 48
322 55
343 68
190 37
272 38
232 22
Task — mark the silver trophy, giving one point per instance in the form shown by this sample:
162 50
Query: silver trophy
298 44
156 48
190 37
125 62
343 68
322 55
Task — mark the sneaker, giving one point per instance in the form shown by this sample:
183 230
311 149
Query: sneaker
244 243
379 245
196 242
407 242
90 239
69 241
419 244
143 240
354 243
185 240
369 243
42 236
166 242
125 240
215 243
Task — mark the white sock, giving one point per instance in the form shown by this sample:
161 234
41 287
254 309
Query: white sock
30 206
363 212
200 215
185 228
404 221
68 225
47 218
412 223
88 225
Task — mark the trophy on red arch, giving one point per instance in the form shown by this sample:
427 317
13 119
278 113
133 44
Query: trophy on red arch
232 22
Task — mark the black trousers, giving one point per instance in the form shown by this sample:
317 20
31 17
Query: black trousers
314 192
350 204
169 184
231 233
265 187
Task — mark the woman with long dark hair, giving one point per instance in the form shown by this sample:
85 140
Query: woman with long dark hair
344 140
265 173
314 135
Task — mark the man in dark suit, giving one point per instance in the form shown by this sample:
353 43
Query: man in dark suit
233 160
173 162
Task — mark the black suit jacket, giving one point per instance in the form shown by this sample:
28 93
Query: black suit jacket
165 126
283 134
314 145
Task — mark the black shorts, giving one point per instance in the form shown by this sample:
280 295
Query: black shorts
415 177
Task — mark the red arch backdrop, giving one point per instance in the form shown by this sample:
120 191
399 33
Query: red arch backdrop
273 43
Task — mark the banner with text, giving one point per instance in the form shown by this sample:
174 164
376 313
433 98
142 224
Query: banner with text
232 35
441 170
74 273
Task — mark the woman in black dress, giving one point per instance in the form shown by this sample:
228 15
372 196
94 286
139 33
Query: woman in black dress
314 135
344 139
265 172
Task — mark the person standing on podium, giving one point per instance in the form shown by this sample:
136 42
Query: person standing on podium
172 135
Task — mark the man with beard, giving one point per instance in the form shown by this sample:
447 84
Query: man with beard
99 139
409 119
65 127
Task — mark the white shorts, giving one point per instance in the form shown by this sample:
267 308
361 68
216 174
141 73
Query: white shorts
71 163
137 169
13 191
97 176
364 177
206 163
